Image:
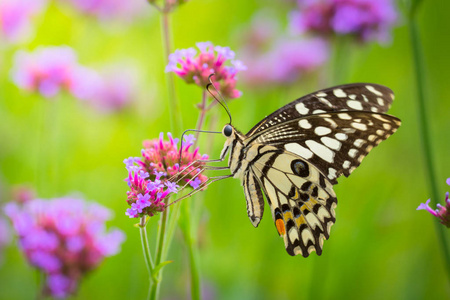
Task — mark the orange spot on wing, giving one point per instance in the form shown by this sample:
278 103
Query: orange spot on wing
280 227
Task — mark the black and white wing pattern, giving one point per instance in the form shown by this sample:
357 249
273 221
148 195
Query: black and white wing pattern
335 143
294 156
301 200
367 97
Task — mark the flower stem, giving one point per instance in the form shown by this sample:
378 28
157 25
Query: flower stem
425 132
159 251
40 285
201 117
176 120
191 241
341 60
186 222
146 249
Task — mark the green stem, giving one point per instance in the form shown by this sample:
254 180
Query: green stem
154 292
176 120
426 140
41 166
146 249
171 226
341 59
185 222
40 285
201 117
191 242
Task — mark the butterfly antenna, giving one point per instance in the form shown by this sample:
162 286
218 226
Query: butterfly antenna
222 100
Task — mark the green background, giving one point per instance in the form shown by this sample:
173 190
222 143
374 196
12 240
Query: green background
380 246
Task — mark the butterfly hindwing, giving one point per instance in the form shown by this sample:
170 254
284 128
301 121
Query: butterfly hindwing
254 197
301 199
356 96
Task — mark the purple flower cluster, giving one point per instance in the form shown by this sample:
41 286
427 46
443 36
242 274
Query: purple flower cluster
111 9
147 197
109 90
63 237
441 212
15 18
365 19
194 68
148 177
50 70
285 62
274 59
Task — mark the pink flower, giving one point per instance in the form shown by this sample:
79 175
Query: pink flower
47 70
194 68
148 177
51 70
285 62
64 238
365 19
22 193
15 18
110 90
442 212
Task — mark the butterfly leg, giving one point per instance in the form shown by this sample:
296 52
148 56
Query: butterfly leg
201 186
222 158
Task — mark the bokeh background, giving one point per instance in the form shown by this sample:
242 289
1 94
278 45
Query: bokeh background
380 246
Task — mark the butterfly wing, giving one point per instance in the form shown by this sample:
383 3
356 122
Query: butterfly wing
350 97
301 199
303 148
254 198
335 143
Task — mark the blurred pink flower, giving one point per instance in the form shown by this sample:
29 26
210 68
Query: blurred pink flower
148 177
15 18
365 19
196 69
285 62
22 193
46 70
263 30
63 237
110 90
50 70
112 9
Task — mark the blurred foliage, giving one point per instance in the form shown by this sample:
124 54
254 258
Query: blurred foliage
380 246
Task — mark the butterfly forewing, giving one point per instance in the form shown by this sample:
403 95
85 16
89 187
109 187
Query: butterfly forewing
356 96
335 143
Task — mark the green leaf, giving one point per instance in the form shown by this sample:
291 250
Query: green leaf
159 267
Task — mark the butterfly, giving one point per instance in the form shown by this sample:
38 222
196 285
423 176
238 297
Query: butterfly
294 156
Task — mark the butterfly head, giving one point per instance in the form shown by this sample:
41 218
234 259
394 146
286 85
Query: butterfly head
228 130
232 136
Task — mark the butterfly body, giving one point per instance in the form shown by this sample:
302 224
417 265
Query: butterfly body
295 155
